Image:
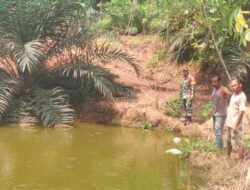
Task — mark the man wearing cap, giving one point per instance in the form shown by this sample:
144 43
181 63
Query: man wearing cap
186 94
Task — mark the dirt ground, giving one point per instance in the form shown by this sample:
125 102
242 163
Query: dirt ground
152 88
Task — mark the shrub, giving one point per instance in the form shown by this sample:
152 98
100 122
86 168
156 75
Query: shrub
206 110
132 30
157 58
172 107
147 125
247 142
157 24
196 145
104 24
122 17
130 19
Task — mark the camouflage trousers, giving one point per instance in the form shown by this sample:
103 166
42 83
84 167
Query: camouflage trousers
187 106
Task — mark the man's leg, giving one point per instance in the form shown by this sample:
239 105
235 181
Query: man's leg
223 119
218 122
239 142
189 110
183 101
229 149
241 152
229 144
213 123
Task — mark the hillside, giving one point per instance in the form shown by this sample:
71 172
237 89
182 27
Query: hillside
152 88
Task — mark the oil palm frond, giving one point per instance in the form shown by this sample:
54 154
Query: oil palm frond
9 89
51 106
20 112
57 22
237 61
102 79
180 49
28 56
105 53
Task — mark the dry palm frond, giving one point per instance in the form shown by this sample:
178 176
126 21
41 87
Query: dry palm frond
237 62
180 49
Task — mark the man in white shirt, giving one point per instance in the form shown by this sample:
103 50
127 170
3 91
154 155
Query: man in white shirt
234 119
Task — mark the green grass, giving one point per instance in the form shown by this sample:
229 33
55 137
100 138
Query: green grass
206 110
111 41
247 142
143 39
172 107
147 125
157 58
196 145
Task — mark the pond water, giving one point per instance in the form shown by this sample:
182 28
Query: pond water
91 157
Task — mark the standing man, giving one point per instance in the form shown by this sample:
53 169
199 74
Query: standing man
219 100
186 93
234 119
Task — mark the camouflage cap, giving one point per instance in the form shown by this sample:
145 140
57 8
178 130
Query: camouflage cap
185 68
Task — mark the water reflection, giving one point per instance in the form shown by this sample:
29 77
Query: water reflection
90 157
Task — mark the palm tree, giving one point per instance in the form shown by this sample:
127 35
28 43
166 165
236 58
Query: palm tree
48 49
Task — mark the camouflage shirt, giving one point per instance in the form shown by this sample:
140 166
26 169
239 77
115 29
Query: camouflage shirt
187 87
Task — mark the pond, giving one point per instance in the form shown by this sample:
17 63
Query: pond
91 157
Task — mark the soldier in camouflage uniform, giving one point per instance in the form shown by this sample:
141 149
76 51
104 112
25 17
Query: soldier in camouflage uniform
186 93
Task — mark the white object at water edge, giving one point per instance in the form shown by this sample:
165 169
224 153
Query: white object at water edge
174 151
177 140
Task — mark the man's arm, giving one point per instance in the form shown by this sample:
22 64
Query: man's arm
180 90
226 93
192 84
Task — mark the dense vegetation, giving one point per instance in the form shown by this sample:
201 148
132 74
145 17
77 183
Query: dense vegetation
213 33
49 54
50 58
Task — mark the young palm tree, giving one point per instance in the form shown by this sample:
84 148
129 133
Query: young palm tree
47 48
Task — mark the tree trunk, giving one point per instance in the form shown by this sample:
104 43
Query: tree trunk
135 2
